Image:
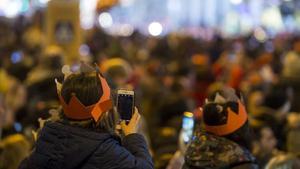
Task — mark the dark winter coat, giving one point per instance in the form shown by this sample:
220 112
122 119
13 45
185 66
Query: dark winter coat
62 146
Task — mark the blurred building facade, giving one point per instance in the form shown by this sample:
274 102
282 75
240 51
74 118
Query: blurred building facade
233 16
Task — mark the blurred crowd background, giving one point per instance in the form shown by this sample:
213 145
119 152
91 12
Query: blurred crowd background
252 46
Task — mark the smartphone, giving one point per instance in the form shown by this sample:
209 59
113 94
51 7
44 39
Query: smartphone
187 126
125 104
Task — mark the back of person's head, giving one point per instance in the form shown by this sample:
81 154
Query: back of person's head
52 58
86 86
13 149
284 161
224 115
85 91
118 70
277 96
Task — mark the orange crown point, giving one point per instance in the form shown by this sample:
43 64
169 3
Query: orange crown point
78 111
234 121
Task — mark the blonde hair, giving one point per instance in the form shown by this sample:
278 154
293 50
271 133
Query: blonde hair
13 149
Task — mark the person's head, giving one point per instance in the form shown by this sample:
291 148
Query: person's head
224 115
52 58
86 91
13 149
118 70
86 86
277 96
265 139
286 161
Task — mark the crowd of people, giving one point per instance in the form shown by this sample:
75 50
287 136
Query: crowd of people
170 75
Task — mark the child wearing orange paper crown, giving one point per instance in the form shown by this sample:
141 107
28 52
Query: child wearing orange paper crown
85 136
223 140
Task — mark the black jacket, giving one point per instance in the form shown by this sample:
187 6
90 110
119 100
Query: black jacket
66 147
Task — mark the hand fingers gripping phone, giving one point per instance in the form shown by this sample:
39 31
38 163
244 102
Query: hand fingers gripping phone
187 126
125 104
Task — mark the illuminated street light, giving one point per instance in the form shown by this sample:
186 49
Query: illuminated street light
105 20
155 28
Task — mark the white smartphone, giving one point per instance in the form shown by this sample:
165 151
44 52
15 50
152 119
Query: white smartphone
125 104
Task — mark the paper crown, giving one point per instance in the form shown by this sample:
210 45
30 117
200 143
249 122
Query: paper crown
235 120
78 111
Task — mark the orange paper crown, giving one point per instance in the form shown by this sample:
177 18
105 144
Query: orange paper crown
78 111
234 121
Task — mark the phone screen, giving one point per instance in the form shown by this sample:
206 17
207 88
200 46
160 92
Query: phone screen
125 106
187 126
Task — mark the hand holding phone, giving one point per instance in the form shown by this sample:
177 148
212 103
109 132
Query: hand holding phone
132 126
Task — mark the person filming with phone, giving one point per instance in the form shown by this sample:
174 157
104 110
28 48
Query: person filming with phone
85 136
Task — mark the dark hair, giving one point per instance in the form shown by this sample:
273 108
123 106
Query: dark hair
276 97
55 62
87 88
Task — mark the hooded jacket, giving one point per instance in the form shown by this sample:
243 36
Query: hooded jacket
62 146
207 151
